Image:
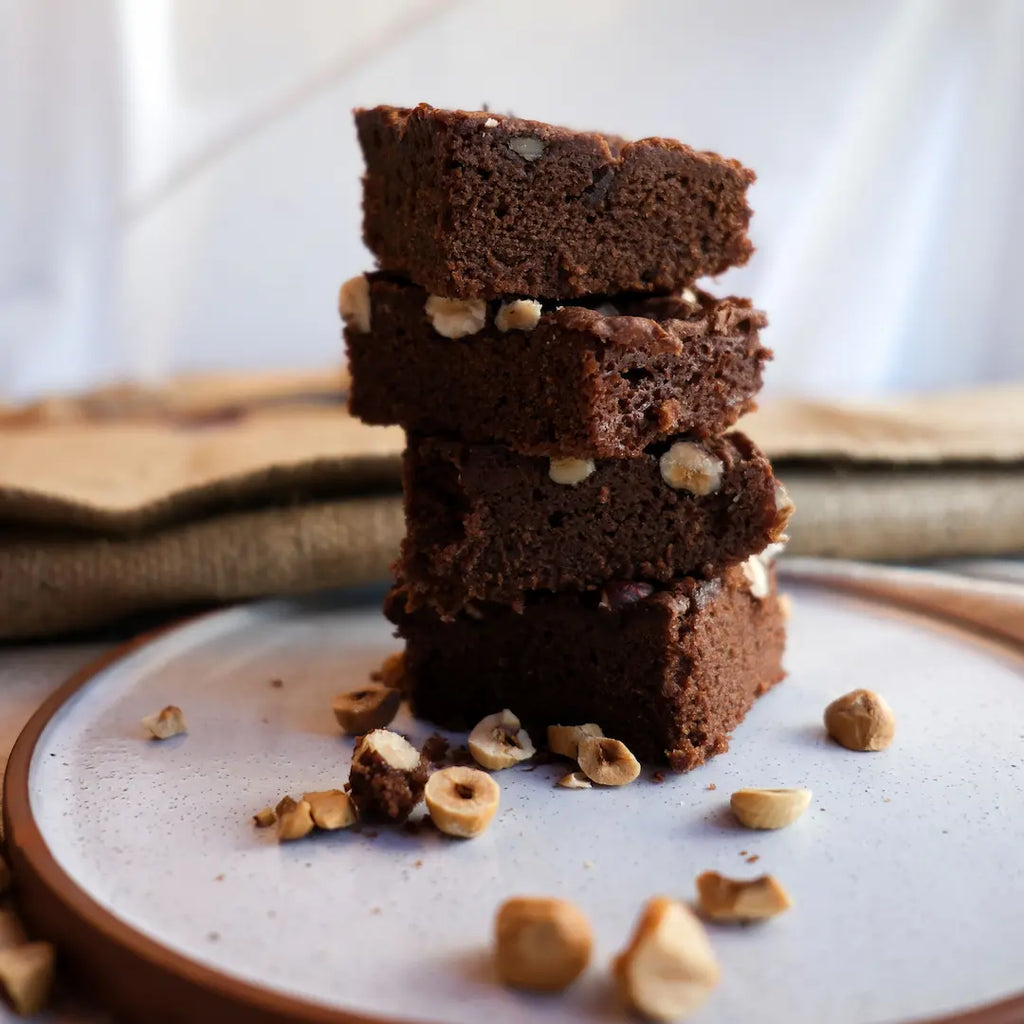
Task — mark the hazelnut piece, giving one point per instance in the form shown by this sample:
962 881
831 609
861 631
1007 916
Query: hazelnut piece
370 707
354 304
784 509
574 780
461 801
331 809
758 577
518 315
294 820
541 944
861 720
607 762
26 976
769 808
498 741
387 775
730 899
668 970
570 471
165 724
565 739
688 467
529 147
456 318
265 818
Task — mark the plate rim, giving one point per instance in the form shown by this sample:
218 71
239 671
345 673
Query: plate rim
140 979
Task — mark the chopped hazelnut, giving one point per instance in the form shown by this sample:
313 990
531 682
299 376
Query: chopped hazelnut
668 970
570 471
26 976
541 944
354 304
529 147
165 724
265 818
769 808
456 318
758 577
729 899
686 466
689 295
607 762
371 707
294 820
331 809
518 315
498 741
461 801
387 776
490 123
861 720
574 780
565 739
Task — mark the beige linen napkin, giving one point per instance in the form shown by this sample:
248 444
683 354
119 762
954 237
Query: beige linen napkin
218 489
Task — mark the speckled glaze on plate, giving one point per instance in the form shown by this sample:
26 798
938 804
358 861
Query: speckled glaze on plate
906 871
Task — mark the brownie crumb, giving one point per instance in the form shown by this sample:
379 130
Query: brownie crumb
435 749
658 777
461 756
417 863
711 785
387 776
416 826
277 683
753 858
375 910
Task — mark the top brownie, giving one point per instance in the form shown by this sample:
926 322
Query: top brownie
481 205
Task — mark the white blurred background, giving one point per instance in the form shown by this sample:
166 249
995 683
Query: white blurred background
179 179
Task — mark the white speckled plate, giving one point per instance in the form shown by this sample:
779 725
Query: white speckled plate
907 871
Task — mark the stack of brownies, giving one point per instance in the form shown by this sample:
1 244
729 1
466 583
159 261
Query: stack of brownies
585 543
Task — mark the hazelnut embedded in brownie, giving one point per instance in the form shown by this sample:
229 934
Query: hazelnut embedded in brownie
478 205
604 380
670 673
487 524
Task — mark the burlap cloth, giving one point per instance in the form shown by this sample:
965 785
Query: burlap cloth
217 489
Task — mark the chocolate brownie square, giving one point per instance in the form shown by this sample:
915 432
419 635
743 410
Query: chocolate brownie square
487 524
669 673
573 381
480 205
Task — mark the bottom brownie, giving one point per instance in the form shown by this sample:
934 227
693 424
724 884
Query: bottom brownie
670 672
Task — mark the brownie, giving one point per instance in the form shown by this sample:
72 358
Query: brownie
669 673
485 523
479 205
600 382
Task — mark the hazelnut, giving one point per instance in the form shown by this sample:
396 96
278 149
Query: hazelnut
455 318
607 762
541 943
265 818
370 707
769 808
570 471
461 801
165 724
758 577
5 877
331 809
784 509
565 739
668 970
26 976
574 780
688 467
354 304
497 741
387 775
294 820
392 671
529 147
518 315
861 720
729 899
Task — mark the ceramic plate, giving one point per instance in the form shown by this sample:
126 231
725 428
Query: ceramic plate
907 871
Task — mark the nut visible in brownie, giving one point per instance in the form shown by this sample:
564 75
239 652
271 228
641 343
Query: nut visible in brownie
670 675
485 523
387 776
582 384
480 205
